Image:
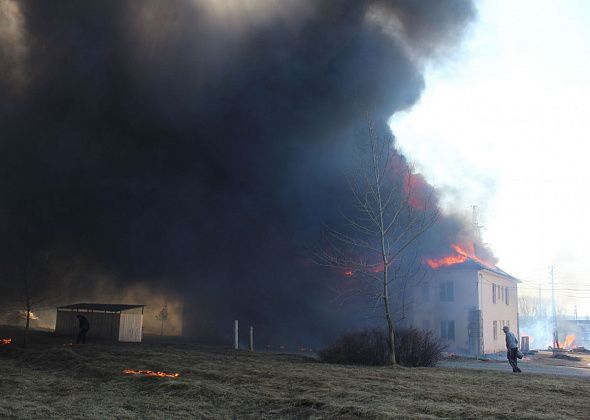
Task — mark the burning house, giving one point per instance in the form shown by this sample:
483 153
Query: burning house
115 322
466 301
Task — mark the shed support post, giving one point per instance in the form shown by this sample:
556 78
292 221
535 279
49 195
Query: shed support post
251 338
236 344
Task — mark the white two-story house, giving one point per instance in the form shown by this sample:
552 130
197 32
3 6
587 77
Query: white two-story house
466 304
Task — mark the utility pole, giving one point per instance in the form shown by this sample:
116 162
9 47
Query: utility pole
476 228
539 303
475 223
576 312
555 333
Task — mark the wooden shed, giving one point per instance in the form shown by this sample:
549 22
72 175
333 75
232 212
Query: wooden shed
115 322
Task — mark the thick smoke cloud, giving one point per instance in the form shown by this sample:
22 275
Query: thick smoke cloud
197 146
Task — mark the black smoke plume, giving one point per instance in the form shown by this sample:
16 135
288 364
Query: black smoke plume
196 146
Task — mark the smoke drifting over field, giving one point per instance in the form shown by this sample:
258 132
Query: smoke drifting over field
195 147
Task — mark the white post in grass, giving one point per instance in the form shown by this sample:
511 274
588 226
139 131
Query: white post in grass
236 344
251 338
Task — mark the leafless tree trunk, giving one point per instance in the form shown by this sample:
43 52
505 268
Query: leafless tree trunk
27 309
34 270
385 218
162 316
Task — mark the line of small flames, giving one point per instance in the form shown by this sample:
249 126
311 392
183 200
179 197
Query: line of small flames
5 341
150 373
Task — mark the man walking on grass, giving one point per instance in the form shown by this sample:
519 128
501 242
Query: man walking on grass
512 347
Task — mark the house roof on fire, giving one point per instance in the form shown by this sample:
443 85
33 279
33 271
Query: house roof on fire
110 307
476 265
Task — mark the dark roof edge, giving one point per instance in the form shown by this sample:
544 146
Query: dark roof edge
501 272
116 307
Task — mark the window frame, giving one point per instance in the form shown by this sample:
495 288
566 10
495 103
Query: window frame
447 329
447 291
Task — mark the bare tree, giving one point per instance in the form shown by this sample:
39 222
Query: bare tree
532 308
162 316
30 289
385 216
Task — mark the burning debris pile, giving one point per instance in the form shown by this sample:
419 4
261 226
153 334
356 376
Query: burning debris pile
158 374
542 337
569 343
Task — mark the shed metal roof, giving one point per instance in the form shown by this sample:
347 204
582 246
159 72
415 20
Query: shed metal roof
112 307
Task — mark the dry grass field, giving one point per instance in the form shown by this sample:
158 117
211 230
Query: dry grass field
54 380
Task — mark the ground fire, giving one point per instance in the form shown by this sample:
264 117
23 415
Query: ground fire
151 373
569 343
5 341
32 316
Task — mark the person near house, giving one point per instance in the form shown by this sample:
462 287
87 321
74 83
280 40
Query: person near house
512 347
84 327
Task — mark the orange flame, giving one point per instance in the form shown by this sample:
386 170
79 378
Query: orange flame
151 373
569 342
461 255
5 341
376 268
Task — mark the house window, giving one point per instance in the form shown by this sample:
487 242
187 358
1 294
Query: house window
495 329
447 330
447 292
425 293
426 325
494 293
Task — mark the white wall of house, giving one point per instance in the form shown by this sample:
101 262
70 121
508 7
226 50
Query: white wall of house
499 311
432 308
437 311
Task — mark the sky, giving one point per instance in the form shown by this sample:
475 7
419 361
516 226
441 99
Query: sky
503 124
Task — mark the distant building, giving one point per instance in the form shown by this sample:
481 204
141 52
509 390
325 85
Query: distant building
114 322
466 304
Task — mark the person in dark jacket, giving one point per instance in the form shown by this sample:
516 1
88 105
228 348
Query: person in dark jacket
84 327
512 349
